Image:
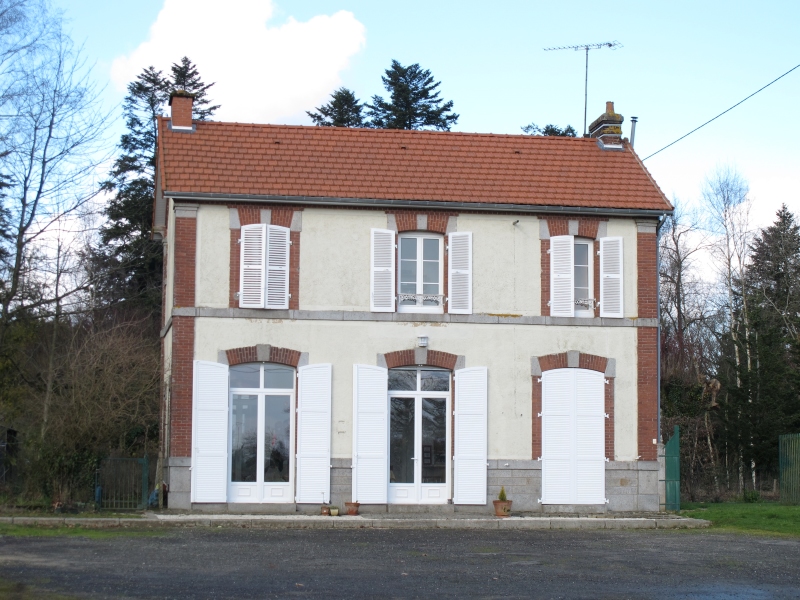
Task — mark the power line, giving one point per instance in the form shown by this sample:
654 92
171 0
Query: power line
722 113
613 45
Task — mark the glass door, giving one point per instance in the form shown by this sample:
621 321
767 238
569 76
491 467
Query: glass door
419 436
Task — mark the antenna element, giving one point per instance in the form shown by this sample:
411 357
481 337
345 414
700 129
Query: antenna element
613 45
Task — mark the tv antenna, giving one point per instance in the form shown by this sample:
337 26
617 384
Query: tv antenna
613 45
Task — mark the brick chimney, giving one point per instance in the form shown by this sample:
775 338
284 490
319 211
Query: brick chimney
181 102
607 128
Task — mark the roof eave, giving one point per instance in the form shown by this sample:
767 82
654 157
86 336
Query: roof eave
428 204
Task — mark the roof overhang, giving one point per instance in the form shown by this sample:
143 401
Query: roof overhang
417 204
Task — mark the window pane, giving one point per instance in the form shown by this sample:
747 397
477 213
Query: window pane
276 376
276 439
245 376
581 293
581 254
434 440
244 434
402 381
408 248
430 249
408 271
430 272
401 441
435 381
581 277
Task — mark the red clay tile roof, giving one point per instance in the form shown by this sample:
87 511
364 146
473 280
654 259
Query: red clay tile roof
281 160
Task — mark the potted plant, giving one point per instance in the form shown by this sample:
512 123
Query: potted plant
502 506
326 510
334 511
352 508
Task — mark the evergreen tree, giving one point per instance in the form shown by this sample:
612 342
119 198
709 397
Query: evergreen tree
414 102
344 110
549 130
185 77
128 267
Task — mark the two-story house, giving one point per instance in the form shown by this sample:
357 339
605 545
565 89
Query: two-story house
407 317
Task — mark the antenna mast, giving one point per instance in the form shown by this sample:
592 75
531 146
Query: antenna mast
613 45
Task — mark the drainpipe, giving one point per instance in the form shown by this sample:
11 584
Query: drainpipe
633 129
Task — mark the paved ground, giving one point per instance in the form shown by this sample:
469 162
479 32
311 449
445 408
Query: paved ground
258 563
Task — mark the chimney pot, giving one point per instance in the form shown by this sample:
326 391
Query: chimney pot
609 108
181 102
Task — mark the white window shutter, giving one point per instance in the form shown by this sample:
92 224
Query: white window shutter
314 434
558 392
459 281
252 251
590 427
370 434
469 473
277 260
382 279
210 432
562 276
611 277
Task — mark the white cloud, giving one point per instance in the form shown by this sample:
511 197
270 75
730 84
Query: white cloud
263 74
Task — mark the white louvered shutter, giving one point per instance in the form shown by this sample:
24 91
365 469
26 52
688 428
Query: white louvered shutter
314 434
370 434
252 266
562 276
611 277
558 392
277 280
382 260
590 426
469 472
459 281
210 432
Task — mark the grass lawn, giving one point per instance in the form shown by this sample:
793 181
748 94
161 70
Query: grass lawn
757 517
74 531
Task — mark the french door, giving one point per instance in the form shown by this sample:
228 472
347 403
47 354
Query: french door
419 436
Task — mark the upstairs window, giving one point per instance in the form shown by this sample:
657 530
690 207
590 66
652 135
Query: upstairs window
420 274
264 267
584 280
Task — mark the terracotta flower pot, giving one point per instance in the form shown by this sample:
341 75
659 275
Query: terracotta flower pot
325 510
502 508
352 508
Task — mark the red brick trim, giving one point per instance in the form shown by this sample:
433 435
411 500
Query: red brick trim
646 248
597 278
405 358
647 388
536 407
545 278
406 220
592 362
248 354
610 419
233 276
182 374
185 251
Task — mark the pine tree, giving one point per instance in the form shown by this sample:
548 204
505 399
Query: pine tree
185 77
128 266
343 110
414 102
549 130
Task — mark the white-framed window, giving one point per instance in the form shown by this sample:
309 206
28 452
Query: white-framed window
264 267
420 273
261 433
583 268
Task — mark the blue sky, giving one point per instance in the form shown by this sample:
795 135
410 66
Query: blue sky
681 64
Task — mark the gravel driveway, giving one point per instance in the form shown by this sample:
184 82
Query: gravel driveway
252 563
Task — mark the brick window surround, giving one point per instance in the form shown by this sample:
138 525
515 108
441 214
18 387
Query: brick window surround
588 227
251 214
263 353
577 360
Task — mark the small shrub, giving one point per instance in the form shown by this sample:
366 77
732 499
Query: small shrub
502 495
751 496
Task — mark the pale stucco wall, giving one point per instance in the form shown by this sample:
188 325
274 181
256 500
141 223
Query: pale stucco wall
170 249
213 256
335 258
626 228
505 349
506 260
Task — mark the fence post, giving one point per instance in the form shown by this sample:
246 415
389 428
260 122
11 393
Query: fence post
145 477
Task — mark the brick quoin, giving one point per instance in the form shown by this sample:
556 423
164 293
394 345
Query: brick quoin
647 391
181 388
185 250
647 272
